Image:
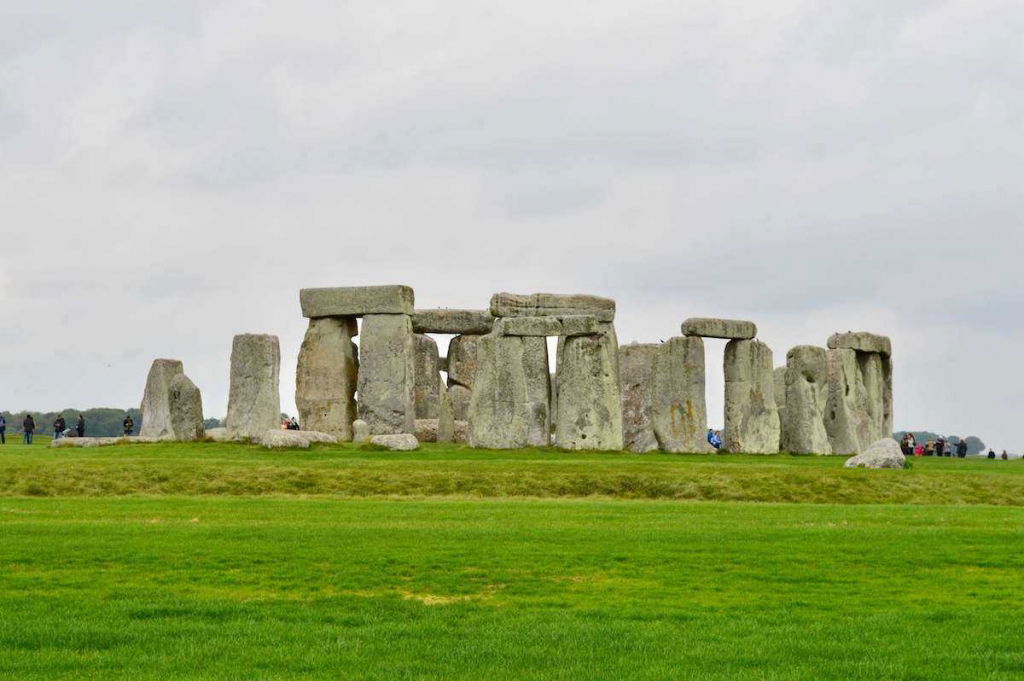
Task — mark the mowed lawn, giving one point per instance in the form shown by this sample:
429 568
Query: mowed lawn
492 584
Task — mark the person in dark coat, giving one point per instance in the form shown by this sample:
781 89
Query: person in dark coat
940 447
29 427
59 426
80 426
129 424
961 449
991 453
3 430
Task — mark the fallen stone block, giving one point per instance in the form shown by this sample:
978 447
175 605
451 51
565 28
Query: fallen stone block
360 431
457 322
552 305
218 435
398 442
861 341
356 301
254 398
461 432
302 439
326 375
732 329
426 430
884 453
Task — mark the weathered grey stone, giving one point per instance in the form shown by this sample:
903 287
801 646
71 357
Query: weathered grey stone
509 407
254 399
326 375
459 396
589 398
462 360
426 395
426 430
356 301
387 371
172 407
636 379
442 363
582 325
278 438
462 432
74 441
360 431
858 411
446 415
678 408
552 305
218 435
528 326
806 397
733 329
476 322
779 377
398 442
751 417
861 341
884 453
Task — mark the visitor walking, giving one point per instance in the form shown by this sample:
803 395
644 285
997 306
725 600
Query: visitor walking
3 430
128 424
29 427
59 426
80 426
961 449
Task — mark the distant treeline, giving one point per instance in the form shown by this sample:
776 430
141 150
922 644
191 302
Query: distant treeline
100 422
974 444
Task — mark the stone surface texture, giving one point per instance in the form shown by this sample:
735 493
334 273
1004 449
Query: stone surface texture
779 377
459 397
678 406
387 374
861 341
172 407
398 442
552 305
446 414
751 417
571 325
254 399
476 322
636 381
510 401
326 375
462 360
883 453
277 438
732 329
462 432
859 407
360 431
589 412
356 301
426 393
218 434
806 398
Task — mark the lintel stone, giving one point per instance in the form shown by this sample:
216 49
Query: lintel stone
730 329
572 325
356 301
552 305
474 322
861 341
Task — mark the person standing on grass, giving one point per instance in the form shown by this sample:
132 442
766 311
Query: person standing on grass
1004 456
940 446
3 430
59 426
961 449
991 453
29 427
129 424
80 426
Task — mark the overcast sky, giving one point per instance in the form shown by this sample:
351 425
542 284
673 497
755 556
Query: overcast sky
171 174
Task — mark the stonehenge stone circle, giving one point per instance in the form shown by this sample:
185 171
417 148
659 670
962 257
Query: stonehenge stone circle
254 399
473 322
884 453
589 408
325 378
751 417
678 407
861 341
172 407
731 329
509 406
552 305
636 381
426 392
356 301
387 374
805 399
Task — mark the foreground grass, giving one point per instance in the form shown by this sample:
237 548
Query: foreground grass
225 588
446 470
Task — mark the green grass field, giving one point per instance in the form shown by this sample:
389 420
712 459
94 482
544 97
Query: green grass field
232 562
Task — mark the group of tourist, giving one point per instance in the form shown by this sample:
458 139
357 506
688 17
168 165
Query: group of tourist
290 424
939 447
60 427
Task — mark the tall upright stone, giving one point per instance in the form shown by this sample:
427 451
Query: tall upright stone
679 405
636 379
887 395
589 398
779 377
859 407
426 392
172 407
806 398
326 375
254 400
445 414
509 405
462 363
387 374
751 417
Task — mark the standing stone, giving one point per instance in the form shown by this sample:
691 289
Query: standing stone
387 374
462 360
636 379
254 400
751 417
172 407
887 395
511 394
779 377
873 376
426 396
589 398
360 431
459 397
806 397
845 415
445 415
325 379
679 408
